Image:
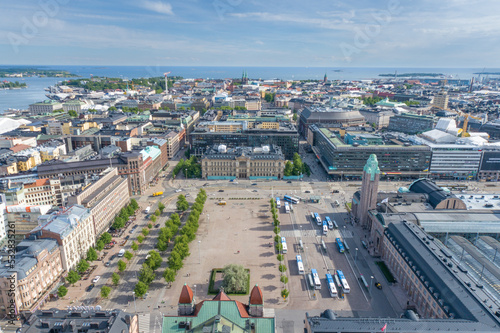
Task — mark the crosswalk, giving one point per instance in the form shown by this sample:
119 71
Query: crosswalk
308 234
144 322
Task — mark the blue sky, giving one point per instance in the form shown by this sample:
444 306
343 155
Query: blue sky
331 33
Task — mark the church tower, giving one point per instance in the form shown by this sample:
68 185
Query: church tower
369 189
186 302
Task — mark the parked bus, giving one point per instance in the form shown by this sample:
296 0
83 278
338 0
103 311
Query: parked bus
325 228
331 285
318 219
340 245
363 281
278 203
283 243
337 281
343 280
330 224
291 199
300 265
346 247
287 207
316 280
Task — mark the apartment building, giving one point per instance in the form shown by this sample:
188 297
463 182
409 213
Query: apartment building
73 229
43 192
37 269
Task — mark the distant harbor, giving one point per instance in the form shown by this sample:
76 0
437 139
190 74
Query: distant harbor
413 75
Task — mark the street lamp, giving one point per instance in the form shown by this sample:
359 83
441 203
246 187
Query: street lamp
371 284
356 256
199 252
135 307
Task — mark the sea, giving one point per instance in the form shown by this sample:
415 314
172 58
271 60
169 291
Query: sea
22 98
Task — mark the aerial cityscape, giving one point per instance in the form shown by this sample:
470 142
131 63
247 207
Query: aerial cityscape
250 167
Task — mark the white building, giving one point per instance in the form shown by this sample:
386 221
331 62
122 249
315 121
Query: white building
73 228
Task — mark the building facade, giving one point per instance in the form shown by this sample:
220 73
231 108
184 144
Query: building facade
266 162
25 218
43 191
105 197
47 106
37 270
369 190
411 123
73 229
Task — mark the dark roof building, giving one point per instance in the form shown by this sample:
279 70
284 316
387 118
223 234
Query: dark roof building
329 116
438 198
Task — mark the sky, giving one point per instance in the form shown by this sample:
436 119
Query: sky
319 33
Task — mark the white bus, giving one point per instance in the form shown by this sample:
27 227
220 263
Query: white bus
330 224
325 228
343 280
315 278
278 203
313 217
283 243
331 286
300 265
287 207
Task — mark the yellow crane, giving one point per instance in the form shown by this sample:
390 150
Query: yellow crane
466 122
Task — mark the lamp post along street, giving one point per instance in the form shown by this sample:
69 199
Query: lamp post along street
356 256
371 284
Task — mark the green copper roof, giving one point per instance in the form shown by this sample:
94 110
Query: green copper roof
371 167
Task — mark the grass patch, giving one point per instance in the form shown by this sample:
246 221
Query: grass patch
214 291
385 270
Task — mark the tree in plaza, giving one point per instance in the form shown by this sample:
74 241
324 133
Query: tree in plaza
105 290
134 204
128 255
161 245
106 238
297 165
145 231
100 245
282 268
276 230
62 291
73 277
280 257
118 223
279 247
284 279
176 219
140 239
153 218
73 113
121 265
288 171
130 210
154 261
115 278
134 246
277 239
285 293
157 212
182 203
169 275
235 278
150 225
82 266
161 207
146 274
175 261
140 289
91 254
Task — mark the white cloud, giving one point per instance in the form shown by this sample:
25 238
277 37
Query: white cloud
159 7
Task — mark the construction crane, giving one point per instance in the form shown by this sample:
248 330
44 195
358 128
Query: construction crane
166 81
466 122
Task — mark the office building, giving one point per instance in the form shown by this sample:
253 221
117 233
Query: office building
73 229
286 137
37 270
345 157
440 101
410 123
329 116
104 197
43 191
25 218
266 162
47 106
90 320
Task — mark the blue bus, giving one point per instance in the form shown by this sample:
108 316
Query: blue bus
343 280
340 245
291 199
278 203
315 278
331 285
329 222
318 219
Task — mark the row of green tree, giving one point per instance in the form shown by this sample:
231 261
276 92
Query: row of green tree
186 235
15 84
190 167
297 167
124 214
99 84
168 232
279 248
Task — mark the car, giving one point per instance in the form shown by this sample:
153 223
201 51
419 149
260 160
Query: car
107 264
127 238
254 191
289 182
178 190
307 191
94 280
254 184
378 285
89 288
221 190
157 226
187 195
112 257
206 184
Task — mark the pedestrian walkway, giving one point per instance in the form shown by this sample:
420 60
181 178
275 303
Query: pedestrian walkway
144 323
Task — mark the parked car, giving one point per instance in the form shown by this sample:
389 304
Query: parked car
221 190
89 288
96 279
307 192
378 285
157 225
289 182
127 238
178 190
254 184
107 264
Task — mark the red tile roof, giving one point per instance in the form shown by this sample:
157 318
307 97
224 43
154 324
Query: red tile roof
38 183
256 296
242 309
221 296
186 295
19 147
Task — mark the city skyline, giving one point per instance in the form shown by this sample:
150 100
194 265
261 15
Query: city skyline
236 33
